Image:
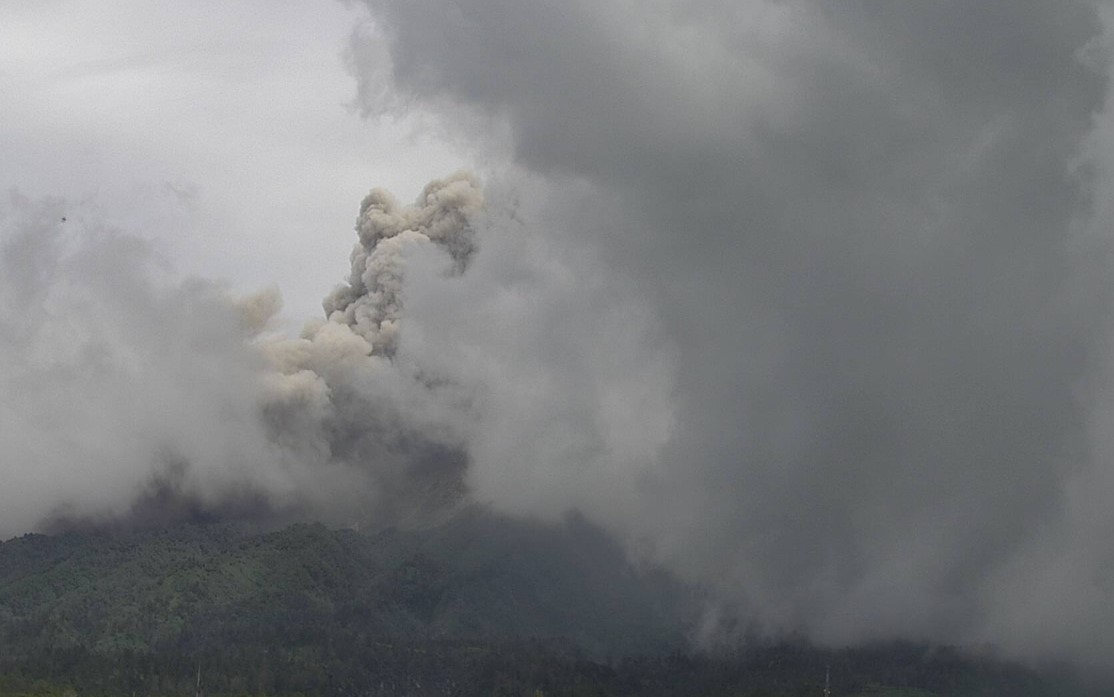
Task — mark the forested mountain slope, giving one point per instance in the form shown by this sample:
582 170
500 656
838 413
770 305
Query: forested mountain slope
192 587
475 605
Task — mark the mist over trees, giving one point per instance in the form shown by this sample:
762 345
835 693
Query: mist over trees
806 306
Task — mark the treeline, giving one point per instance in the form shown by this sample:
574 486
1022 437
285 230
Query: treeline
191 587
478 606
382 667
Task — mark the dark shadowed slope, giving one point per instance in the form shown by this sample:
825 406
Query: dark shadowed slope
476 576
477 604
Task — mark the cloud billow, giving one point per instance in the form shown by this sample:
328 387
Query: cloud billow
129 399
861 240
807 301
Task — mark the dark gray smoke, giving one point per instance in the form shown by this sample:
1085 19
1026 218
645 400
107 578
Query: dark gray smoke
808 300
815 303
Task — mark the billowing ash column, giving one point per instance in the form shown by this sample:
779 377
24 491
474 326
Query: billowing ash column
371 302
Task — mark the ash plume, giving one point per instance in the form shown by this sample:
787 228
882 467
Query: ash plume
824 316
809 302
129 401
338 396
371 302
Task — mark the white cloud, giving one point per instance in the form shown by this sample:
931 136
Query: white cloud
122 106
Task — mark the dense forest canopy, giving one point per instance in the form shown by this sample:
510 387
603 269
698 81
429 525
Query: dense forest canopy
477 605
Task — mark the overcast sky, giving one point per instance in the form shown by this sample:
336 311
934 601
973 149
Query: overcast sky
809 301
225 130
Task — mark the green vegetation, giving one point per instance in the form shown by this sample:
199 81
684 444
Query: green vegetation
192 587
523 668
477 606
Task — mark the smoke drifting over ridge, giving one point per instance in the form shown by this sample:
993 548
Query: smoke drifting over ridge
872 283
809 302
130 400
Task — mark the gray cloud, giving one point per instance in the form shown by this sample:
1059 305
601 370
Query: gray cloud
130 399
109 379
807 301
823 317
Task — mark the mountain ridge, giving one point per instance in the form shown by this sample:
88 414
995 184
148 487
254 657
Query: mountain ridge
478 575
473 604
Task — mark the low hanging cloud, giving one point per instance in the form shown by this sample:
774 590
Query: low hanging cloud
808 302
841 342
130 400
133 400
113 384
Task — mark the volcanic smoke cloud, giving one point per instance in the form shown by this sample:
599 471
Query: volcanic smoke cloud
809 301
371 303
123 396
856 256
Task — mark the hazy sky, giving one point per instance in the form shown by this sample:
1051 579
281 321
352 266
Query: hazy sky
225 130
809 301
